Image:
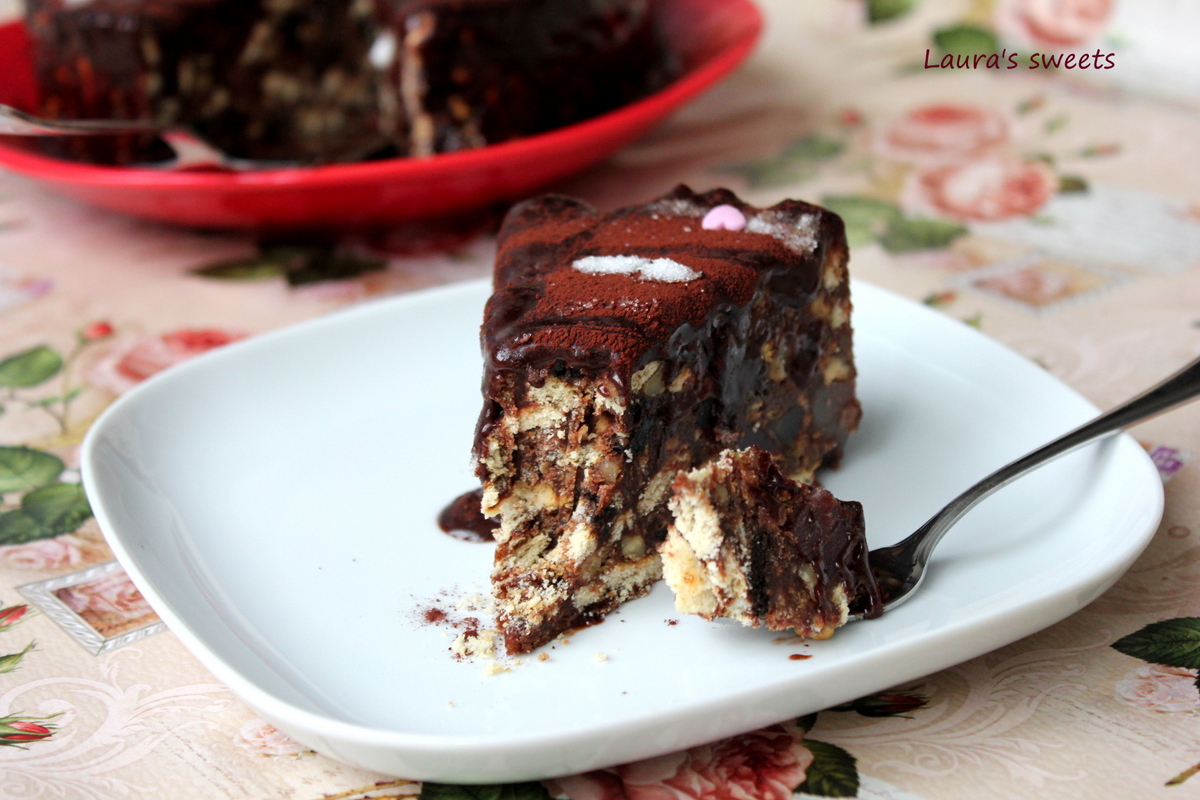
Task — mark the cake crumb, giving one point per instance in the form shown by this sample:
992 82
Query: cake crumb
798 657
543 657
472 644
601 657
450 704
494 668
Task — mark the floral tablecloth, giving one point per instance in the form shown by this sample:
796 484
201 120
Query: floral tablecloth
1056 209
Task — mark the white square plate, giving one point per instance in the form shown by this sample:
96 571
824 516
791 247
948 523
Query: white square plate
275 501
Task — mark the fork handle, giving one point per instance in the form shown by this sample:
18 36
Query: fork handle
1181 387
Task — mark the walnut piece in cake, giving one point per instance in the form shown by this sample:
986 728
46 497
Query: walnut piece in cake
622 348
749 544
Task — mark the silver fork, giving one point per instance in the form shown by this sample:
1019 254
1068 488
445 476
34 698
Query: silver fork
191 152
900 568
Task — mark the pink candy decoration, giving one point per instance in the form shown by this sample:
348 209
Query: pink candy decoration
724 218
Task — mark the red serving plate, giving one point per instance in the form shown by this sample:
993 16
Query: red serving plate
711 36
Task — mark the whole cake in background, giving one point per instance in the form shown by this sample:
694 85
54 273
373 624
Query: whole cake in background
314 81
621 349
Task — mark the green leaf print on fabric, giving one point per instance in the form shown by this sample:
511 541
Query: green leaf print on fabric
253 268
940 299
966 40
30 367
17 527
814 147
507 791
299 263
796 163
23 468
832 773
866 218
45 512
886 704
884 10
870 219
907 235
1072 184
11 661
59 507
35 366
1172 643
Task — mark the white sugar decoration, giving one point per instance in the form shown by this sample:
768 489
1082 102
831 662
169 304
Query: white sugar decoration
668 271
677 207
799 237
383 51
609 265
657 269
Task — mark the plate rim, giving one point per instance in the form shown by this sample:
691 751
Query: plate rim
690 83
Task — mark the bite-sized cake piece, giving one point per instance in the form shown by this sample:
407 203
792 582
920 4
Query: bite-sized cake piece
750 544
338 80
622 348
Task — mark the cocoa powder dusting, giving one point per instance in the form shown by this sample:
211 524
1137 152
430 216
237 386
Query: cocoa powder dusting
545 310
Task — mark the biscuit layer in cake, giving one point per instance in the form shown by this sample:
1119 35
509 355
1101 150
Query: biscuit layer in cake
623 348
749 544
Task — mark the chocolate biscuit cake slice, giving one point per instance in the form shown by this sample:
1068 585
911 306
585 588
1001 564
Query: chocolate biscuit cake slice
749 544
623 348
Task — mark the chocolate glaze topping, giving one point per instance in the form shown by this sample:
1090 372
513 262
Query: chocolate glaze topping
546 317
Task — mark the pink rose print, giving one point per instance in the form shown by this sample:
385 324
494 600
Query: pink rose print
943 133
1056 24
1158 688
126 367
113 594
43 554
1037 287
767 764
987 190
262 738
111 605
96 331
